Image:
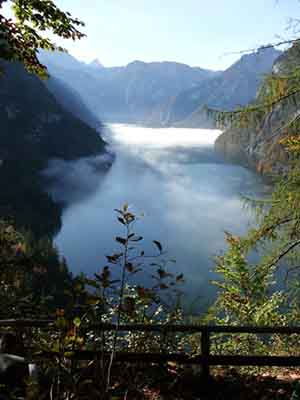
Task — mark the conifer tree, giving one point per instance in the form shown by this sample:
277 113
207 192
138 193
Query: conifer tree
249 290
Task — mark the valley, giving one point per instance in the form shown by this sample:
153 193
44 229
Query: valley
150 200
187 194
173 175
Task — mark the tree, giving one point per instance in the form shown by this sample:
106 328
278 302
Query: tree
249 291
21 38
279 89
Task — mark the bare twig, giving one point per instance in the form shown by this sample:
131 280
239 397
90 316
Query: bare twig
268 46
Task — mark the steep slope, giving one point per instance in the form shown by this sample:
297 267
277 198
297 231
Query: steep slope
236 86
71 101
133 93
34 129
259 144
35 126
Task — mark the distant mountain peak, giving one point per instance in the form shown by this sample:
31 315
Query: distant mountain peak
162 93
96 64
136 63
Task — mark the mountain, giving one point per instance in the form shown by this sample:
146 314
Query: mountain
34 129
96 64
60 60
258 145
35 126
161 93
71 101
133 93
234 87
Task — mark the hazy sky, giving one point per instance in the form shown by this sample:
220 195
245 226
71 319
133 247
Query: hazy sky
195 32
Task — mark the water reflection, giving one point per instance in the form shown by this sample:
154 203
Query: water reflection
189 197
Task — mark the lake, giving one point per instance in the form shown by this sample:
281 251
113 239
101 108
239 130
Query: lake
172 176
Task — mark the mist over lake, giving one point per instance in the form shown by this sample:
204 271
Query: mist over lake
172 176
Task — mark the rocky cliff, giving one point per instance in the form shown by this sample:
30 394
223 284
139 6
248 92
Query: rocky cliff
258 145
234 87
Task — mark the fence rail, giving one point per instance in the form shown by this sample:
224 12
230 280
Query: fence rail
205 359
188 328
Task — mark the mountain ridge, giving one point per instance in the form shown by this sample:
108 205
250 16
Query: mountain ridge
259 144
232 88
128 93
160 93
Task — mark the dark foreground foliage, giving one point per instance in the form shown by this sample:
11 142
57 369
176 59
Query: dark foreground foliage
36 283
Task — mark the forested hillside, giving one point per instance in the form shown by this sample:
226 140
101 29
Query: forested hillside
34 129
72 102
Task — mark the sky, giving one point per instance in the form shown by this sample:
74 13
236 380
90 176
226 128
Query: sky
195 32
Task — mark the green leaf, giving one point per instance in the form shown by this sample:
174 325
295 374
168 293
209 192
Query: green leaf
93 301
77 322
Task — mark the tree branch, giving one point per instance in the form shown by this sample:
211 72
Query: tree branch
284 253
268 46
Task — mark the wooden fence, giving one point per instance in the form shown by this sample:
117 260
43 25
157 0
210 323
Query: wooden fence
205 359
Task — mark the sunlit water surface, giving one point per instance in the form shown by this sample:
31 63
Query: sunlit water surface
188 195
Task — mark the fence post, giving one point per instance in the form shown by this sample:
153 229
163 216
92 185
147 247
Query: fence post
205 346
